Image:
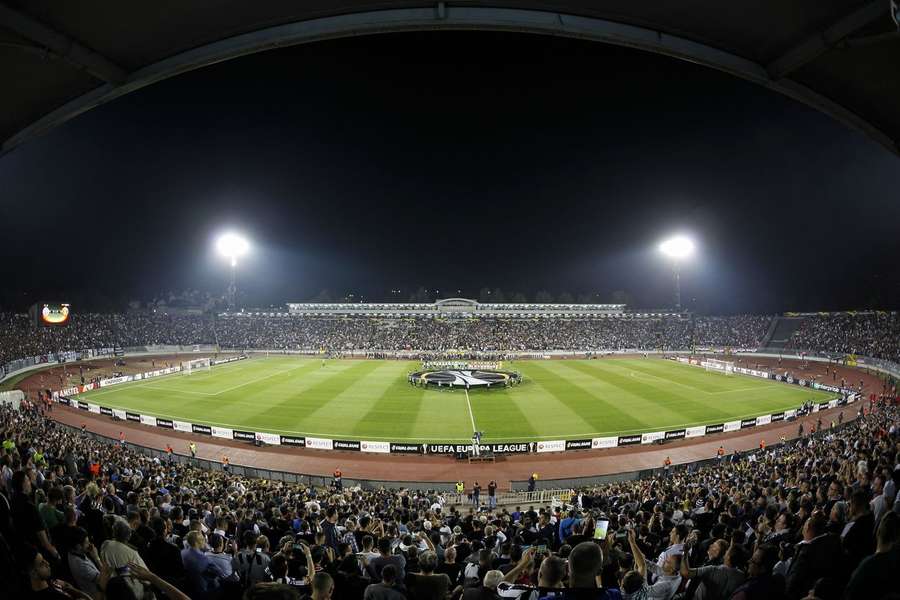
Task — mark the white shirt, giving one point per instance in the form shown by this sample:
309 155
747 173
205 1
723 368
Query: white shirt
673 550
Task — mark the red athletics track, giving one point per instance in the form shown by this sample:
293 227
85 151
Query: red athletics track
400 468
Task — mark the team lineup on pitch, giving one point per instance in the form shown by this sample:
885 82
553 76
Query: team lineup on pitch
374 399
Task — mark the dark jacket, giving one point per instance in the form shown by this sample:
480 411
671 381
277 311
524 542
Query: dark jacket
859 541
822 557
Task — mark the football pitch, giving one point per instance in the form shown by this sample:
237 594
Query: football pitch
372 399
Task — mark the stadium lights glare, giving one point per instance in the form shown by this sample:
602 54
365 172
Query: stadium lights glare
677 247
232 245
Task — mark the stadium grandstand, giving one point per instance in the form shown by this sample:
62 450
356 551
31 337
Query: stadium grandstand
459 449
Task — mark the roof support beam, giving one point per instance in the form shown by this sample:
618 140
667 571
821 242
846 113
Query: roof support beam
451 18
61 45
817 44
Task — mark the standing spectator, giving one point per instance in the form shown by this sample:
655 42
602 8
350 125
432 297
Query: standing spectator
492 494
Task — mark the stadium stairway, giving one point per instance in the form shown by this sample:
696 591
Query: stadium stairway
780 333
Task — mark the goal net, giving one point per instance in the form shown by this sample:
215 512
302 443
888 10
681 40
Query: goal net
197 364
720 366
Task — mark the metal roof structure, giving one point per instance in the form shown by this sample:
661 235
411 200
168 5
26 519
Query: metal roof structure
60 59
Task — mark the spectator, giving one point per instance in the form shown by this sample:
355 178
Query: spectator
387 588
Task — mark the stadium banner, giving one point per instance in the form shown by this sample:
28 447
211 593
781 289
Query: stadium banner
319 443
397 448
732 426
448 448
148 420
352 445
378 447
268 438
832 403
244 436
137 377
106 411
718 428
166 423
763 420
290 440
745 423
578 444
551 446
604 442
182 426
692 432
649 438
119 414
64 400
82 405
677 434
130 416
222 432
114 380
824 405
94 408
777 417
201 429
628 440
790 414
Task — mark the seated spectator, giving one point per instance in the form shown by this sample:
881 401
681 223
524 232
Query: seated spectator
718 582
90 574
117 555
387 589
41 583
427 584
761 583
876 574
204 576
636 585
488 588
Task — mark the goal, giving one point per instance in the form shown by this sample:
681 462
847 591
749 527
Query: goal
721 366
197 364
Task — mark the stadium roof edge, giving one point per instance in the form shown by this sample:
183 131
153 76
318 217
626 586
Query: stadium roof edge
60 60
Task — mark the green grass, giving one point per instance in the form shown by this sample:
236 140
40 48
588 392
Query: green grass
372 400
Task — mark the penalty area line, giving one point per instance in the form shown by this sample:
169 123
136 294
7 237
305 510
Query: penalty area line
471 416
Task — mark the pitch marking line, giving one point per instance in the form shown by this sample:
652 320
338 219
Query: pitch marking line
471 416
183 391
240 385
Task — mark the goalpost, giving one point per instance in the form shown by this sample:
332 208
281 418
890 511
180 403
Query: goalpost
196 364
720 366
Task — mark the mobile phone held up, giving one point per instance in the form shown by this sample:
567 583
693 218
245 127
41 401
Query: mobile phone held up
600 529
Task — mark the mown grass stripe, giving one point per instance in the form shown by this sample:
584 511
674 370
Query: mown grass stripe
598 412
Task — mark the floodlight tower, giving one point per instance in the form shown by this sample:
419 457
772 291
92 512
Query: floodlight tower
677 249
231 245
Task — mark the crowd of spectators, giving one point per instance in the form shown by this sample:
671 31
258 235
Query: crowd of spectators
869 334
874 334
20 338
816 518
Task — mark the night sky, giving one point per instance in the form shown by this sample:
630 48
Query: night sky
454 161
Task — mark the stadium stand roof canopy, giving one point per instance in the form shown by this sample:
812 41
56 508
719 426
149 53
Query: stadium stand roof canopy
59 59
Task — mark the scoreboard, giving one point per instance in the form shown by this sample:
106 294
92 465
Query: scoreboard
50 314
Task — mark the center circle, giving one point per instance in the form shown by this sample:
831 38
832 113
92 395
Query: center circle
464 378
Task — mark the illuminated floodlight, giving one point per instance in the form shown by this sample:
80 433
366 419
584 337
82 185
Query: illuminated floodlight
677 247
232 246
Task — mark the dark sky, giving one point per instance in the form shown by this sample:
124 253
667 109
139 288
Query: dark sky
454 161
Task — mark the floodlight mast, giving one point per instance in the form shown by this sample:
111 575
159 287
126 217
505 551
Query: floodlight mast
231 246
677 249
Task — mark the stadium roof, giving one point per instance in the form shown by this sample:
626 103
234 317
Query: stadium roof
59 59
